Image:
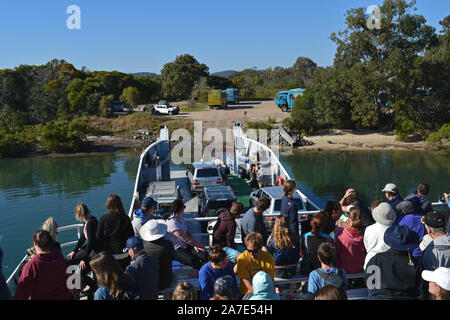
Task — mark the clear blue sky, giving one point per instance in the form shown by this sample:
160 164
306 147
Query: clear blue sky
143 35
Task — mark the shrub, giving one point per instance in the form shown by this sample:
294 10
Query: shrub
435 138
65 136
259 125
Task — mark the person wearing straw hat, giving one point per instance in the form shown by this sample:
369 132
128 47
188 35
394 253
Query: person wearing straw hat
399 275
439 283
153 234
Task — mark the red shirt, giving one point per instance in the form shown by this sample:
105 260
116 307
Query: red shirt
350 250
44 278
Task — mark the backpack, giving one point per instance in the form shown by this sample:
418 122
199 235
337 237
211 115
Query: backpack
336 280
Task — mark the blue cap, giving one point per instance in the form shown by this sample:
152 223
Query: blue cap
148 202
134 243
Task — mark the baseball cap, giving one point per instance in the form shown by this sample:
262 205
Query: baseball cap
434 219
441 276
148 202
133 242
390 187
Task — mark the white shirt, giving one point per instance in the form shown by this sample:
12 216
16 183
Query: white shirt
374 241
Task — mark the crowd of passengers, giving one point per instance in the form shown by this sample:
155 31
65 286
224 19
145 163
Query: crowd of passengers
118 258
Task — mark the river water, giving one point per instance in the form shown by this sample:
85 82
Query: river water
33 189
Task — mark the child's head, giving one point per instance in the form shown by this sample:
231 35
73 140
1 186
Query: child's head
254 243
223 288
218 257
184 291
327 253
318 223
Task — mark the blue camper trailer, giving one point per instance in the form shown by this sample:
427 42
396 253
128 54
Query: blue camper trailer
285 100
232 95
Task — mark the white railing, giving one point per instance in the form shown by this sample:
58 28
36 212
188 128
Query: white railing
163 137
275 162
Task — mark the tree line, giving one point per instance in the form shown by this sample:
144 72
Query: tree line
396 77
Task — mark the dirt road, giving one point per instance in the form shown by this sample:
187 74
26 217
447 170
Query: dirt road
244 111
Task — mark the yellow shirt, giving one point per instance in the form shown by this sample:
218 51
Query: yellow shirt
247 267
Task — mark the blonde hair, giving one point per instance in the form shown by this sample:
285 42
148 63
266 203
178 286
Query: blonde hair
51 227
81 212
289 187
184 291
282 234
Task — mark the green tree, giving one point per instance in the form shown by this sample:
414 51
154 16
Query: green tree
130 97
179 77
105 105
379 65
84 96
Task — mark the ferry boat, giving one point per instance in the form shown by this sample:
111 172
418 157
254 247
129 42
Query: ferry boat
155 165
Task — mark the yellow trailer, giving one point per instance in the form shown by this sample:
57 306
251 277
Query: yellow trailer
217 99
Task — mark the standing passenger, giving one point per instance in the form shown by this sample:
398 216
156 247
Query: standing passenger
288 206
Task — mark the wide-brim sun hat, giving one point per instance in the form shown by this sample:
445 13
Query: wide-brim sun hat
384 214
401 238
441 276
153 229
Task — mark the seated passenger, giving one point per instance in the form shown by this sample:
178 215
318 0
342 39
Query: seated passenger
144 214
44 276
189 251
218 266
113 282
251 261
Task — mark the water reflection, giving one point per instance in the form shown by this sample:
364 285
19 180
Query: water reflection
329 174
35 177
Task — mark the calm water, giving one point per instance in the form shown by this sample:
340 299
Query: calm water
33 189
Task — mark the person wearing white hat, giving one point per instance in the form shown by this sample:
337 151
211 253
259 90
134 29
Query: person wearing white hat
392 196
439 282
154 235
384 216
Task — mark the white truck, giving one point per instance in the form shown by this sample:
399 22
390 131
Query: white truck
165 108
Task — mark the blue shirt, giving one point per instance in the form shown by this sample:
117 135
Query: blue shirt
284 257
316 282
102 293
207 277
289 207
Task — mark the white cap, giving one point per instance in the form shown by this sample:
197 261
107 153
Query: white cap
441 276
390 187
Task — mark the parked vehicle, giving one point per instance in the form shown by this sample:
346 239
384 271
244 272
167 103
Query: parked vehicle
232 95
203 174
274 194
165 108
285 100
217 99
212 199
117 106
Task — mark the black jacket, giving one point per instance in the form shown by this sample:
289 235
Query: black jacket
93 244
163 251
399 279
113 232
